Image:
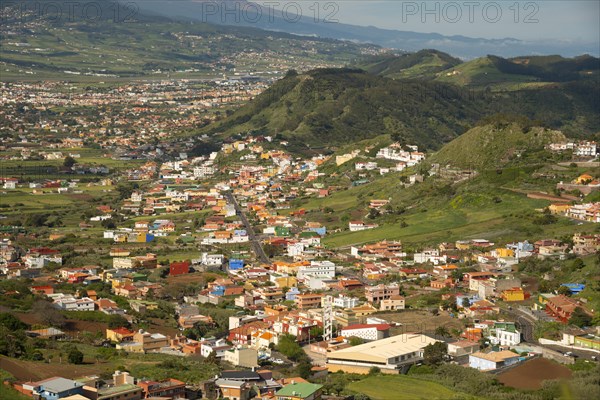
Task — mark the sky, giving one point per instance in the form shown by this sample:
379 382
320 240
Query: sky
526 20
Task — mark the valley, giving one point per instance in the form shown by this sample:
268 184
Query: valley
199 209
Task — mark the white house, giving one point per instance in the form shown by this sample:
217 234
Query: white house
70 303
219 346
493 360
356 226
10 183
504 334
345 301
317 269
366 331
431 255
586 149
295 249
212 260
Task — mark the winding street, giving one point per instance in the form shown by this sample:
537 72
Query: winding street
526 324
256 244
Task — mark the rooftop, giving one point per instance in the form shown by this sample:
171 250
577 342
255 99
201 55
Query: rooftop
496 356
301 389
384 349
379 327
58 385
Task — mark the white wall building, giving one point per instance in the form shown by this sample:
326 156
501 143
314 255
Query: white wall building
366 332
70 303
345 301
317 269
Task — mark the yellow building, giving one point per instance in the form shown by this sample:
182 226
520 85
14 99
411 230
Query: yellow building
364 310
503 252
346 317
559 208
285 281
118 335
514 294
583 179
463 245
339 160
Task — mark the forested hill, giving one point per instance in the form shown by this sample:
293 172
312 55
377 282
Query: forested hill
329 107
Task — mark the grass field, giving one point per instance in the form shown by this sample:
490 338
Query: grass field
400 387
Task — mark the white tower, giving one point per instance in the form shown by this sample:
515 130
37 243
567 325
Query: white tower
328 318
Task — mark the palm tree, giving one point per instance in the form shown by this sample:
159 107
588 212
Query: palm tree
442 331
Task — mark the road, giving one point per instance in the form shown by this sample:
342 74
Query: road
527 324
254 240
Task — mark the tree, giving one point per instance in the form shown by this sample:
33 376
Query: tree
271 250
373 213
304 369
11 342
11 322
580 318
199 330
212 358
466 303
290 348
117 321
108 224
577 264
483 343
355 341
565 291
374 370
36 220
336 383
75 356
69 162
442 331
435 353
316 332
48 314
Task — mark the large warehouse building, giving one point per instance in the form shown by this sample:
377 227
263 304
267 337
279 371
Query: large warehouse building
392 355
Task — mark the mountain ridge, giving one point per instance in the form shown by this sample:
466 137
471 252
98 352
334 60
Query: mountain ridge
331 107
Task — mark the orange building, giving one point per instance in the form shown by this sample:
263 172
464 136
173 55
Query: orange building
309 300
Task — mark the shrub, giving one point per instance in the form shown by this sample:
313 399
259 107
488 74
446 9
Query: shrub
75 356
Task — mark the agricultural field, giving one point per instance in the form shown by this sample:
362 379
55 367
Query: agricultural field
532 374
420 321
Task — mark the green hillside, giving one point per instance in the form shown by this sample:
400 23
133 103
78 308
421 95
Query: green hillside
151 46
493 70
481 71
327 108
424 64
491 146
446 206
386 388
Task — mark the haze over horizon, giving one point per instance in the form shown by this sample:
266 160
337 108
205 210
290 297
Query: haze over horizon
523 20
466 29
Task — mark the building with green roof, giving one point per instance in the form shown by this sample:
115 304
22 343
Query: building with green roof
300 391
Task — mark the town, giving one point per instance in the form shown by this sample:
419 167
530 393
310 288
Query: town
300 201
219 257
